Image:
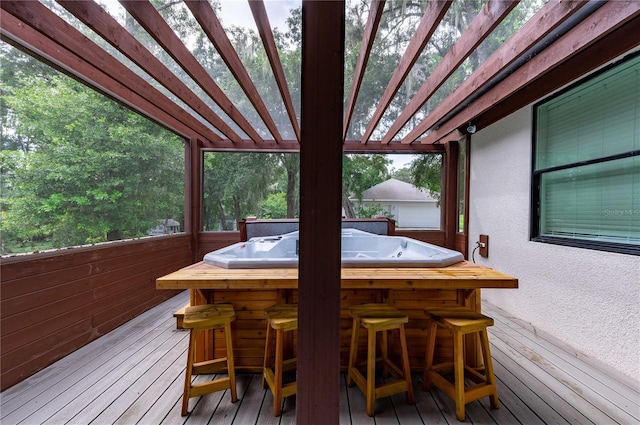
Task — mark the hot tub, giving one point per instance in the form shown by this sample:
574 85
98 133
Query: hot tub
359 249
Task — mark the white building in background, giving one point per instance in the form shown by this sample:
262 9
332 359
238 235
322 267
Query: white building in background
408 205
166 226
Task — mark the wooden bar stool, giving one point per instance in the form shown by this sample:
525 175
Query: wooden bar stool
460 322
204 317
281 318
379 318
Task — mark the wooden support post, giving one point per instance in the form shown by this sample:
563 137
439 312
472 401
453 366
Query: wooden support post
451 193
318 391
193 193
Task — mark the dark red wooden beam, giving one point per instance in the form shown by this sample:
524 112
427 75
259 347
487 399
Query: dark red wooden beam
430 21
264 28
625 39
211 26
480 28
604 21
103 24
39 30
549 17
375 146
450 201
149 18
349 146
370 30
251 146
193 194
318 386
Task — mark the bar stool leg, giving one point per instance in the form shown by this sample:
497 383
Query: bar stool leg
406 368
277 392
431 348
488 367
187 375
458 366
230 362
371 372
384 348
267 354
353 353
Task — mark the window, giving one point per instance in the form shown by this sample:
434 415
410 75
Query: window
586 171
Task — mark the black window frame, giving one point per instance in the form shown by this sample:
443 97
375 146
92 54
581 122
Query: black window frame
536 177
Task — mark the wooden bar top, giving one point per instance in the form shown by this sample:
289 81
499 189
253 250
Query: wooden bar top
463 275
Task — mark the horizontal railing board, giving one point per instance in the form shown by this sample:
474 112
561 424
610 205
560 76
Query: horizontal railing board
18 266
44 280
53 303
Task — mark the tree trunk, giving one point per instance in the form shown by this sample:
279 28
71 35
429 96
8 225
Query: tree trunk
347 206
236 205
223 220
292 175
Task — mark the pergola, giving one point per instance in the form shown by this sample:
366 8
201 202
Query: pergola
561 42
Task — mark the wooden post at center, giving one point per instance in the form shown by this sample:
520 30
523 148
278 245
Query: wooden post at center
318 391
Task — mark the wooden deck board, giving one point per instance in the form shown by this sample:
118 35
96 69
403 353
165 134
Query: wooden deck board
597 394
135 375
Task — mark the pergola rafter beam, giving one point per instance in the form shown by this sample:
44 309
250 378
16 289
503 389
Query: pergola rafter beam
588 32
264 28
427 26
250 146
349 146
491 15
26 38
354 146
549 17
103 24
370 30
212 27
72 51
149 18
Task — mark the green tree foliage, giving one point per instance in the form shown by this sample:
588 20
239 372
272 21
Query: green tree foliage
275 206
359 173
426 173
235 184
88 170
403 174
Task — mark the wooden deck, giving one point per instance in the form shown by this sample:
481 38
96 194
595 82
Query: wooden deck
135 375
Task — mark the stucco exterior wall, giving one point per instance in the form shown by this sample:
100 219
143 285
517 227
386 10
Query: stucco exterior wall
589 299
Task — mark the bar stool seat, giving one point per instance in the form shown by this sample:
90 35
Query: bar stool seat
281 318
205 317
460 322
379 317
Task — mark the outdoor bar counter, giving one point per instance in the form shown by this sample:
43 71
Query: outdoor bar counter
408 289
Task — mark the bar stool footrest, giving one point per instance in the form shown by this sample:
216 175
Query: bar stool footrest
210 366
209 387
390 388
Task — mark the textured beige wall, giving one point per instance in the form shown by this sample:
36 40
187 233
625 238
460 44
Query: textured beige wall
589 299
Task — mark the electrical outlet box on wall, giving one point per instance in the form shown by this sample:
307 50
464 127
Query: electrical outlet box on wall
484 245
